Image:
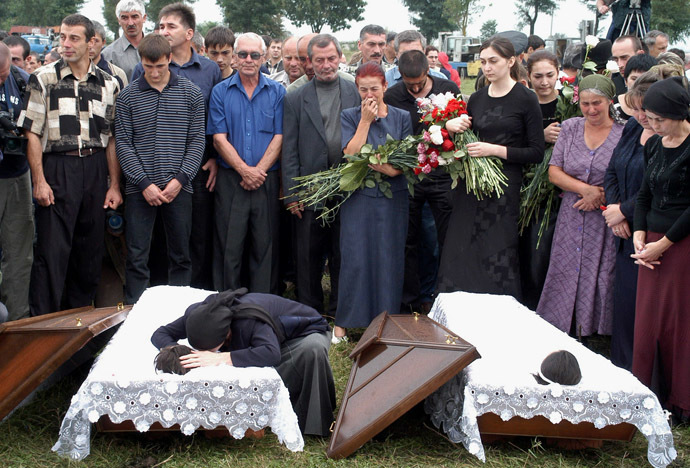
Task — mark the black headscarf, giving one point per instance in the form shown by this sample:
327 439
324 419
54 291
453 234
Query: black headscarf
668 98
209 322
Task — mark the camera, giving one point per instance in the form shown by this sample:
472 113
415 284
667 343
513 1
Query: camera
11 143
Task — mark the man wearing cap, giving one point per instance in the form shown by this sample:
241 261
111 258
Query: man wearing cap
261 330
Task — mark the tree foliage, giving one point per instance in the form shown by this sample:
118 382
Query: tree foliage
429 17
318 13
528 11
459 12
489 28
37 12
671 17
111 17
263 17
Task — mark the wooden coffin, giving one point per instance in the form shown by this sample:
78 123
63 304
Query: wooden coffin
399 361
34 348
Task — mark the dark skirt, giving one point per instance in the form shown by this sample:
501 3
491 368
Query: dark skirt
373 230
624 292
480 253
306 372
661 352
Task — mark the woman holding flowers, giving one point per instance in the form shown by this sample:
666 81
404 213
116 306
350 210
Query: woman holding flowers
661 353
481 249
373 227
622 183
578 294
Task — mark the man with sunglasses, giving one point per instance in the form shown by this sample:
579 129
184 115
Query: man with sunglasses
177 24
416 82
246 122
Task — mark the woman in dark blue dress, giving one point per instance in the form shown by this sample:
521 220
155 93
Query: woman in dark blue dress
622 182
373 228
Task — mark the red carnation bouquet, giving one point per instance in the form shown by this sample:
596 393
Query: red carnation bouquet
438 147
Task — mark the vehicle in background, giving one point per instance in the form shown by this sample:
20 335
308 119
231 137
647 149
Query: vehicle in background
462 51
39 43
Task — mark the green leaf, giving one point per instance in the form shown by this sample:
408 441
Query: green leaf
369 183
352 176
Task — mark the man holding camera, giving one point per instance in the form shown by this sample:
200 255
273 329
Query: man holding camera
16 214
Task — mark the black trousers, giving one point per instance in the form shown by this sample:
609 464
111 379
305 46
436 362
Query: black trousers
246 223
69 248
314 243
201 239
437 192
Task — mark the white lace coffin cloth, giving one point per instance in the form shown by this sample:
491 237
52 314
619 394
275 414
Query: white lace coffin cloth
124 385
513 341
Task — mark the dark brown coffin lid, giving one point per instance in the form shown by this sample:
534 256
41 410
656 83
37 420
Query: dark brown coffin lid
399 361
33 348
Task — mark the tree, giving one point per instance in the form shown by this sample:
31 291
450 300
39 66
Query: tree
154 7
264 17
488 29
528 11
671 17
459 12
111 17
206 26
318 13
39 12
429 17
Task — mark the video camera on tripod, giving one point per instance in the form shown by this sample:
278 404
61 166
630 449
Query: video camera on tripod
634 20
11 142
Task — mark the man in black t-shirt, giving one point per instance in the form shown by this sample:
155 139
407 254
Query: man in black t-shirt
435 189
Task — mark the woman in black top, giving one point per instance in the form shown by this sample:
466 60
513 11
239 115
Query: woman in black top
481 249
661 350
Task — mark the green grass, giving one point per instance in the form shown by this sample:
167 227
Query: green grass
26 439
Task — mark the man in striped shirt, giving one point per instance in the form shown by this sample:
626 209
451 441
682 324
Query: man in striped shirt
159 129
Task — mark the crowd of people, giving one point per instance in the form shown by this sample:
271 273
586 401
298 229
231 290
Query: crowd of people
200 139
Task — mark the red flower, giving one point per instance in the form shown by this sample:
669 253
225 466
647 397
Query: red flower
433 163
453 106
431 152
447 145
567 79
444 132
417 170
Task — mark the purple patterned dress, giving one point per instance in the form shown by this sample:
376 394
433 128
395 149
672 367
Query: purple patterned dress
579 284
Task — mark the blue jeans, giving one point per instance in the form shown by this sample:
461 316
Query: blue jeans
139 221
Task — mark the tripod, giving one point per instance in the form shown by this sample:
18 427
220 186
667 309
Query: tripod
634 14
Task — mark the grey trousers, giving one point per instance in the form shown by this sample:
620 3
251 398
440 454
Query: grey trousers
16 240
246 226
307 374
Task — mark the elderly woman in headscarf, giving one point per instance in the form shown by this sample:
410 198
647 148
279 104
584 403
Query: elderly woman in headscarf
661 350
260 330
578 292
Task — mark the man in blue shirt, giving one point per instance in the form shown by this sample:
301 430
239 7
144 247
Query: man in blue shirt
177 24
246 121
16 214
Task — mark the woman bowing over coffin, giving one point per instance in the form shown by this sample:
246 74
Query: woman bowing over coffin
261 330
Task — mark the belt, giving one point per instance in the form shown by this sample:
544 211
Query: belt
83 152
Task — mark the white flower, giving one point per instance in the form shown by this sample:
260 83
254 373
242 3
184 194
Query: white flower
436 136
145 398
532 403
191 403
119 407
648 403
80 440
603 397
241 408
96 388
555 417
625 413
188 429
441 100
171 387
591 41
218 391
578 407
214 417
600 422
142 425
263 420
238 432
474 448
646 429
267 395
93 416
612 66
168 415
556 391
444 161
482 398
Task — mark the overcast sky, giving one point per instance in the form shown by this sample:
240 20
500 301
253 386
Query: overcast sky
393 15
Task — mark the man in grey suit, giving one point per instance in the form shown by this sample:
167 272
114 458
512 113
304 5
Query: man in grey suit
312 143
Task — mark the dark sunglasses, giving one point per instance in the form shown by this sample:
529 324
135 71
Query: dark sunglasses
254 55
